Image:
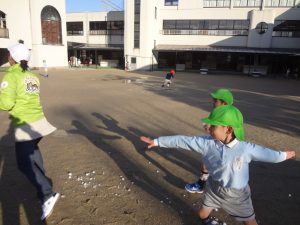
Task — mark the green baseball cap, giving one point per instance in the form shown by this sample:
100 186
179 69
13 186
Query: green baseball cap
227 115
224 95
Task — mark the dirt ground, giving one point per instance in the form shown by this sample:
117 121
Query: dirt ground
95 158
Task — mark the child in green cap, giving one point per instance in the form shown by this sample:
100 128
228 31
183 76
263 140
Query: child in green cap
227 157
220 97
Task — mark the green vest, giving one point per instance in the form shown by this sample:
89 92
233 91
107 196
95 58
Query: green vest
19 95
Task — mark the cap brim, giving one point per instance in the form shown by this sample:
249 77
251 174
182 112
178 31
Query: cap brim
213 95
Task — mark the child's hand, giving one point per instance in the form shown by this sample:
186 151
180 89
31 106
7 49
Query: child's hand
290 154
149 141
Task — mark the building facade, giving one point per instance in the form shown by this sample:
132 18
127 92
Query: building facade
42 27
235 35
96 38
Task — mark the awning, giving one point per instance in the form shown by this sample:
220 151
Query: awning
74 45
201 48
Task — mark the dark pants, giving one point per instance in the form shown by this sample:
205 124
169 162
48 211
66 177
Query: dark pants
30 162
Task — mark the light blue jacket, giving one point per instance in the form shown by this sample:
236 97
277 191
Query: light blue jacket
226 163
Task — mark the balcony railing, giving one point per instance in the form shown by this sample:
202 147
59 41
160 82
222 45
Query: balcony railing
4 33
75 33
107 32
206 32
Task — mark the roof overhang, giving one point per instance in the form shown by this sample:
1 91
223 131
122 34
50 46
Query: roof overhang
82 46
201 48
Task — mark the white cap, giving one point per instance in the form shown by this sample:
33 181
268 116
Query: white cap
19 52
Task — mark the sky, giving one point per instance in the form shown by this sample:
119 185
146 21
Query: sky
90 5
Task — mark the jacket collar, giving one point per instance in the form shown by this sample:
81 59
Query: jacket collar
229 145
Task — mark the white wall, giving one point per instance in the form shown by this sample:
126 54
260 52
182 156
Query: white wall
18 29
24 22
148 29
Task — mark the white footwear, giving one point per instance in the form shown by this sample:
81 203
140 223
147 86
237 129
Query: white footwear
48 206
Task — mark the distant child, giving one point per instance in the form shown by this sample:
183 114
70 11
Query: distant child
220 97
168 78
45 66
227 158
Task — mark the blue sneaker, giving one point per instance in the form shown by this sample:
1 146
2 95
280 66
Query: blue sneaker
195 187
213 221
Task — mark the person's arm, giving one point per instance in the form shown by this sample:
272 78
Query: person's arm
7 93
259 153
188 143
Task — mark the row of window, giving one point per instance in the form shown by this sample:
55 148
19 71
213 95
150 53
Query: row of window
207 32
97 28
282 28
242 3
137 18
286 28
206 24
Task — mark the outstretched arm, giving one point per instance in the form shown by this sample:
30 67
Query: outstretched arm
194 143
259 153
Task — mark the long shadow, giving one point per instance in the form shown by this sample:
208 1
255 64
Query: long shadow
265 102
15 189
132 171
133 134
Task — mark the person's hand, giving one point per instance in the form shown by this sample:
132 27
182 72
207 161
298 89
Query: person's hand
149 141
290 154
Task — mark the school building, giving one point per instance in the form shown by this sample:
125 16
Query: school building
96 38
42 27
234 35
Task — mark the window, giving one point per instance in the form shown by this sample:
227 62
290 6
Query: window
171 2
206 27
74 28
286 28
241 25
51 26
211 24
182 25
133 60
261 28
3 29
2 20
247 3
137 5
115 27
226 25
169 24
280 3
106 27
216 3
